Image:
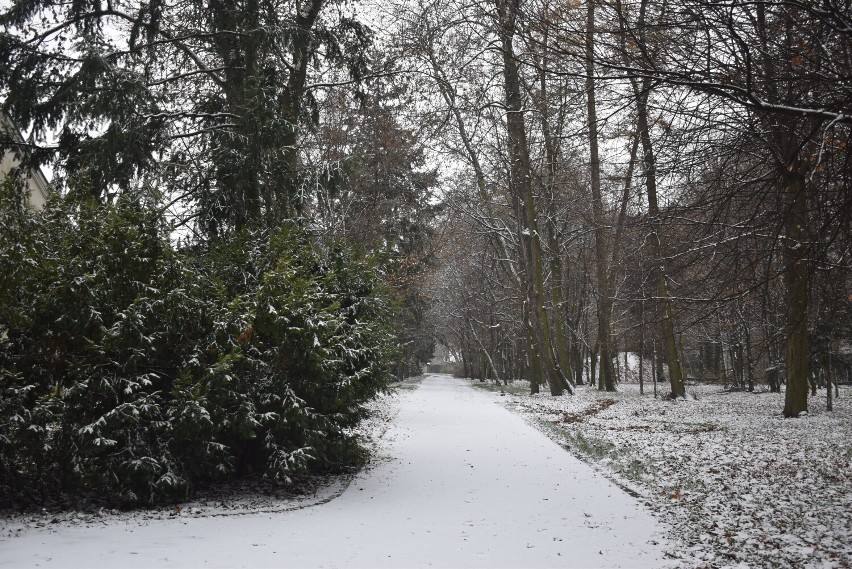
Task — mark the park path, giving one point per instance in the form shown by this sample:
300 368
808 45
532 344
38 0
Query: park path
463 483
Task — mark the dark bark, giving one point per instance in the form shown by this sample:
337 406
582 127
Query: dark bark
522 192
607 373
796 279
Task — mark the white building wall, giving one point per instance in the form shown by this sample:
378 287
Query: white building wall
37 187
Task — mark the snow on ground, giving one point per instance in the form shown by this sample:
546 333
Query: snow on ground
458 482
738 483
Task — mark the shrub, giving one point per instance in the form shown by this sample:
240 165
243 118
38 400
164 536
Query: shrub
133 372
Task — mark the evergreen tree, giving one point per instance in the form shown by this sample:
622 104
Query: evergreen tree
206 100
137 371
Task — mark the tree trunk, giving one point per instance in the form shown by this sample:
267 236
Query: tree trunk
664 300
796 280
606 372
560 338
724 364
831 378
641 94
749 363
594 376
521 183
654 366
642 345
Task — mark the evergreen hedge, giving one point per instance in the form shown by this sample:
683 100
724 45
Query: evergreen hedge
133 372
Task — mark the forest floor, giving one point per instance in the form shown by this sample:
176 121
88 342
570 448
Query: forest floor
456 481
739 485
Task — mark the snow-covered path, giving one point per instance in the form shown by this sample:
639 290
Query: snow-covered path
469 484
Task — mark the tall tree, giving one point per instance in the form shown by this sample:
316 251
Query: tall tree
606 371
202 101
522 192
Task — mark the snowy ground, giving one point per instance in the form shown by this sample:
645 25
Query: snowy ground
459 482
738 484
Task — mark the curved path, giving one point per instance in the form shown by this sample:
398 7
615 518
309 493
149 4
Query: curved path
468 484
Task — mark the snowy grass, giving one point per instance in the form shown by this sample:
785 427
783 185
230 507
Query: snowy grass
737 483
514 387
407 384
